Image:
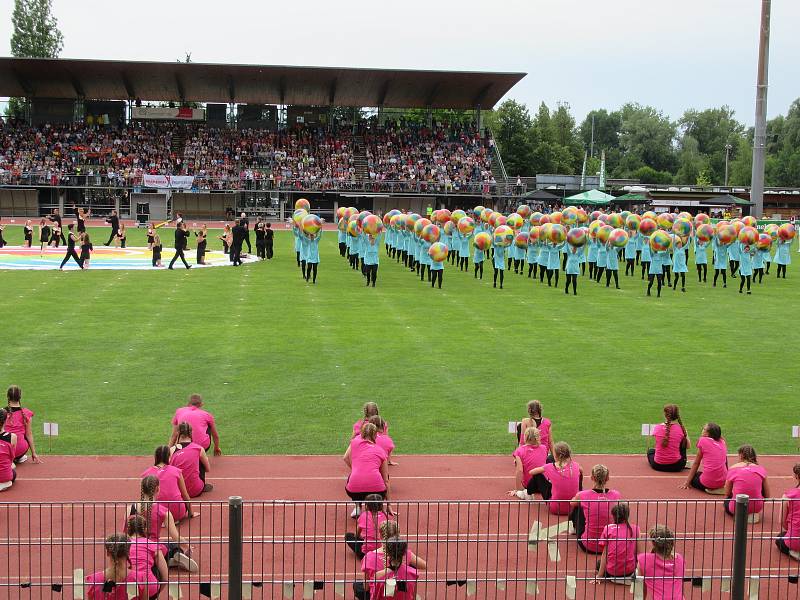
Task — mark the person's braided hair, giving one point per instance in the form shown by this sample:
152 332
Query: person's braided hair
146 498
671 413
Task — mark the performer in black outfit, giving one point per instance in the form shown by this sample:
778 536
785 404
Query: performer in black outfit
86 250
28 234
181 235
260 240
239 236
245 222
56 218
81 216
268 235
113 220
44 235
202 242
71 249
2 241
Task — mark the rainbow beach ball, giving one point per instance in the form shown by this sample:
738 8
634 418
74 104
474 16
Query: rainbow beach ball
515 221
535 218
647 226
748 236
764 241
457 215
449 228
616 220
704 232
421 223
311 224
577 237
665 221
618 238
604 233
483 241
353 229
682 227
302 203
701 218
521 240
438 252
632 222
772 230
787 232
749 221
558 233
726 235
466 225
372 225
431 233
478 211
524 211
503 236
660 241
298 215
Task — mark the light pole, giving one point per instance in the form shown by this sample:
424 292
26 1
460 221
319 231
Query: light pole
760 137
728 149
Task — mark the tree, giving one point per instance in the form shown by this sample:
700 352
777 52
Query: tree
35 35
713 129
692 163
647 138
649 175
606 136
511 126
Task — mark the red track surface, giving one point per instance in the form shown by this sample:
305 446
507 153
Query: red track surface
471 541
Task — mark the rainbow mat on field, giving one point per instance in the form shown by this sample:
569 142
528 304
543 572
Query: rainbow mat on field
17 257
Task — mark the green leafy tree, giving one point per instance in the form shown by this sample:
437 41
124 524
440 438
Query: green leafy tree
35 35
692 163
511 125
606 136
647 138
650 175
713 129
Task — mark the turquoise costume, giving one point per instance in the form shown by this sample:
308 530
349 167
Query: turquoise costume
594 245
679 261
632 246
656 261
745 254
499 257
573 261
720 255
371 254
312 248
612 258
782 256
700 254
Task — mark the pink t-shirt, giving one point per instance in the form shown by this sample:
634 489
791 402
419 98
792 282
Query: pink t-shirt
748 480
142 557
565 484
653 568
200 421
385 442
792 537
94 588
6 458
187 459
168 488
544 432
531 457
370 523
597 515
715 462
672 452
374 562
15 423
357 427
366 459
621 544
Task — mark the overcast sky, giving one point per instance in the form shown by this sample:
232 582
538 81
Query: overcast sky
674 55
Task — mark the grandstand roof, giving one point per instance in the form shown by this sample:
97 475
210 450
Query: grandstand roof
253 84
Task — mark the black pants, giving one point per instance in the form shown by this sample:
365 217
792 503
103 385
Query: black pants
734 264
668 468
573 279
268 250
695 482
743 279
178 253
261 250
236 254
629 266
479 269
683 281
615 273
781 270
579 523
539 485
502 276
650 279
110 238
781 543
372 274
342 249
201 252
436 276
667 274
247 241
724 276
702 273
355 544
645 267
311 271
74 255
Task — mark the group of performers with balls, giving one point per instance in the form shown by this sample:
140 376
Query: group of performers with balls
544 245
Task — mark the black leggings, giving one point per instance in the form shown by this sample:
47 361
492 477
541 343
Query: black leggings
744 278
781 269
372 274
667 274
650 278
550 273
591 270
74 255
683 281
668 468
502 275
311 271
574 280
479 269
179 254
734 264
724 276
598 273
531 269
609 272
538 484
629 266
702 272
342 249
436 275
645 267
421 270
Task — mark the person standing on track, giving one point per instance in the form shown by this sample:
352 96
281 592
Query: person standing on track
86 250
113 221
192 460
18 422
204 428
56 218
44 236
260 241
202 243
28 230
181 237
71 249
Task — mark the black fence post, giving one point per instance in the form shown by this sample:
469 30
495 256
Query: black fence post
235 548
739 547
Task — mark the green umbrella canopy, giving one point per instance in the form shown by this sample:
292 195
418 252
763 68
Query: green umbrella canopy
590 197
632 198
726 199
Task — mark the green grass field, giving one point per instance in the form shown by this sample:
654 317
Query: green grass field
285 366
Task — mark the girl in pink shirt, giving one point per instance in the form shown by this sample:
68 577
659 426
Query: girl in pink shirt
192 460
146 560
110 583
383 440
712 455
619 541
172 488
529 456
747 477
560 480
366 536
669 454
662 568
535 419
369 470
375 561
8 445
157 517
204 428
398 579
370 410
18 422
789 539
591 510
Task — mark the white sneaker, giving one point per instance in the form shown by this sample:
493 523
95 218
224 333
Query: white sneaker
22 459
356 512
5 486
184 562
523 495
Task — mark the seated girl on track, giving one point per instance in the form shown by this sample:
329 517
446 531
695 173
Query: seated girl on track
591 510
535 419
8 446
367 536
712 455
789 540
559 481
172 487
204 428
747 477
662 568
147 564
192 460
530 455
375 561
158 516
398 579
383 440
620 543
111 582
18 422
369 468
370 410
669 454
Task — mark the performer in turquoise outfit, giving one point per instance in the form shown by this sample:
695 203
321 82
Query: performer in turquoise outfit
312 255
630 253
734 257
341 238
499 263
782 257
304 244
463 251
592 258
530 257
425 261
654 271
646 255
435 270
758 265
745 253
602 260
554 262
572 268
612 265
720 252
296 234
700 259
478 256
541 259
371 258
679 266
